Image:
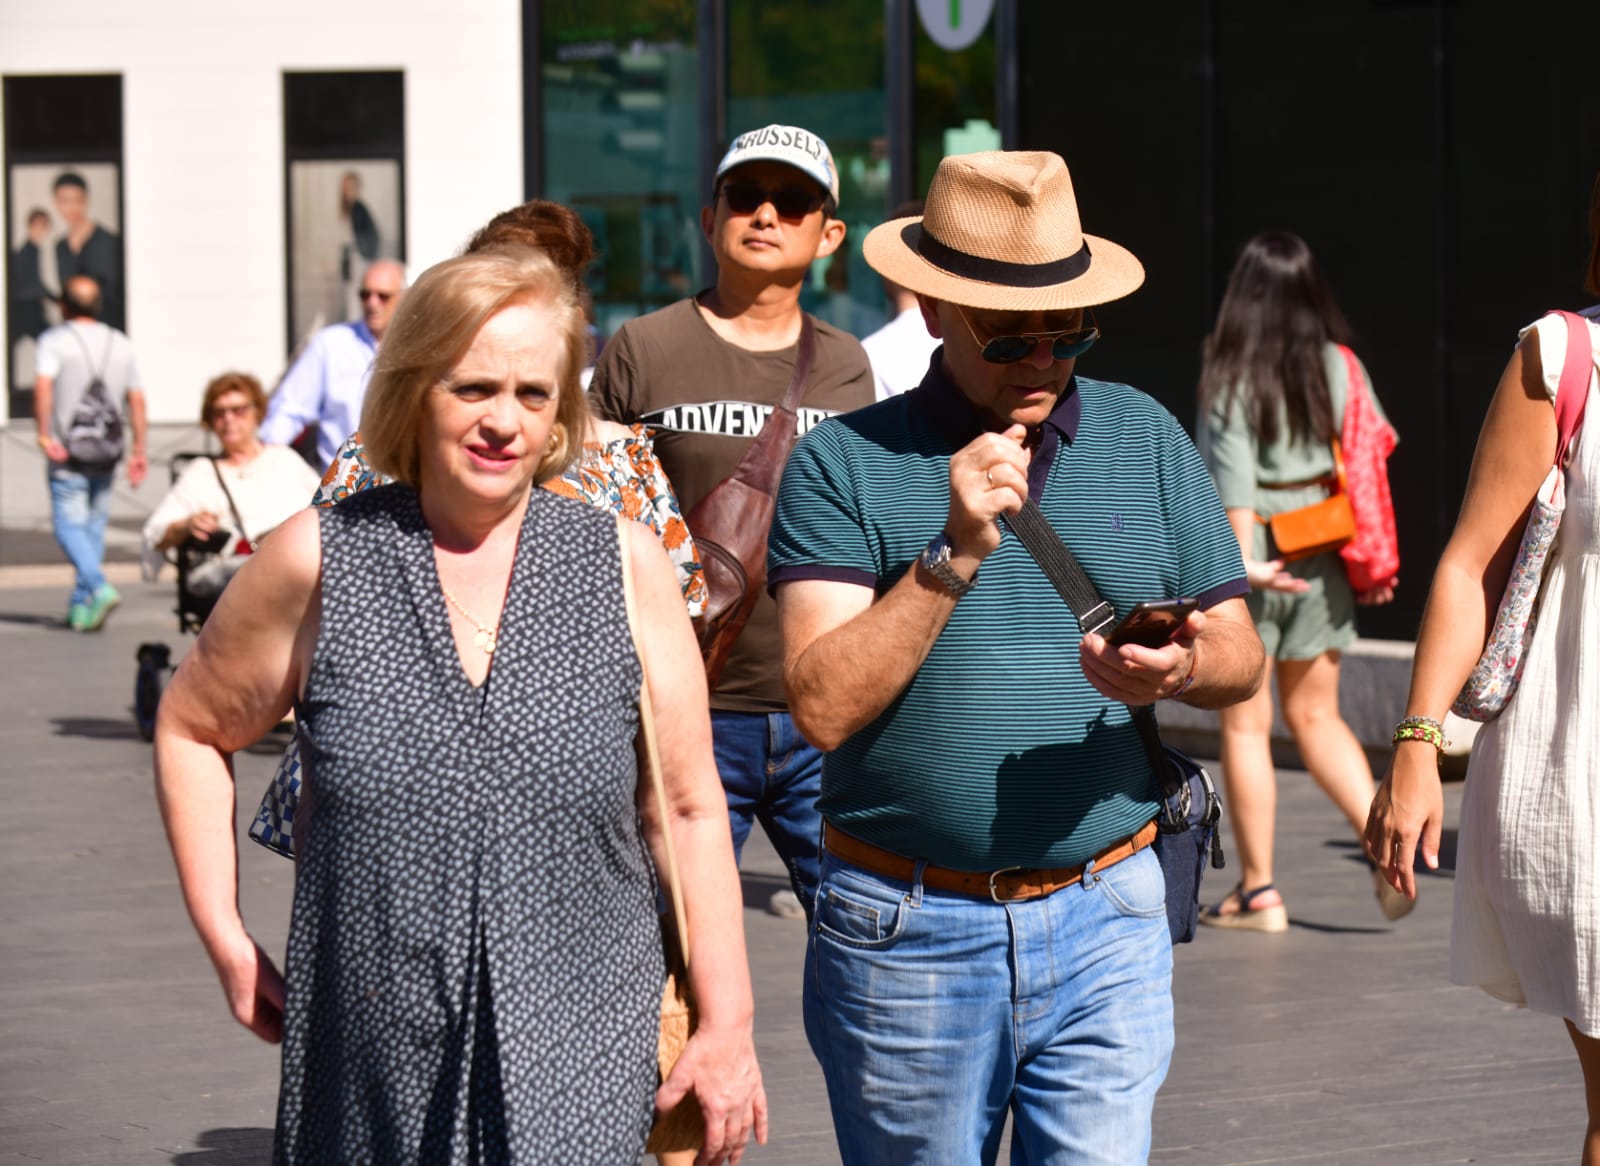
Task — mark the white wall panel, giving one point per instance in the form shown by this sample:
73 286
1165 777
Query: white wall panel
203 149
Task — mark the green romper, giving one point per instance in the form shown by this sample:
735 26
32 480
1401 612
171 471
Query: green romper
1292 627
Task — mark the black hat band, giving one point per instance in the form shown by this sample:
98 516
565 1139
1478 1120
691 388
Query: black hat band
998 271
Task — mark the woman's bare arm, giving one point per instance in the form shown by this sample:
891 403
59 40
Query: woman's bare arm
1515 451
236 683
720 1062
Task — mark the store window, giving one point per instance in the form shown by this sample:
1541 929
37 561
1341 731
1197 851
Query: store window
344 158
953 108
63 198
821 66
621 141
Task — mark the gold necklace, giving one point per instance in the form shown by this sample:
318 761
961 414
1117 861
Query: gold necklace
485 638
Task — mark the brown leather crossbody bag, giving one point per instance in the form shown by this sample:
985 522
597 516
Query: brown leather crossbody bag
730 523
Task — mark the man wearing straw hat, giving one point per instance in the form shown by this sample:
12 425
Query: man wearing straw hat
990 933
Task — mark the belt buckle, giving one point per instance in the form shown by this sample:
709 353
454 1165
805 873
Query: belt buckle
994 895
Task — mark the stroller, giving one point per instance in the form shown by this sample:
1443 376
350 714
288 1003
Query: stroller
193 607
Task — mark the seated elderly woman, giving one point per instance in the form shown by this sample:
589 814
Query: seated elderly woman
474 960
234 498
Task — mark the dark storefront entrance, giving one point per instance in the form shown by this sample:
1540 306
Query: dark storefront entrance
1437 155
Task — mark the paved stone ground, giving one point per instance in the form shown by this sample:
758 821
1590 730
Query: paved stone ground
1338 1042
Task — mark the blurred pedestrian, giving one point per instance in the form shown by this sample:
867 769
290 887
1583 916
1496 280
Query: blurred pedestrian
86 381
1273 391
1526 927
326 385
241 495
901 349
453 996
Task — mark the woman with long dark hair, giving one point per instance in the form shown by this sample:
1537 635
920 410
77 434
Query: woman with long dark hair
1273 388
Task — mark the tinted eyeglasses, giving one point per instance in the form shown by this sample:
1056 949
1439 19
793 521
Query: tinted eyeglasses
370 293
220 411
1064 345
791 202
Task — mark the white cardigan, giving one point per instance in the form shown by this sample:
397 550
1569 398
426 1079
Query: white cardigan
267 491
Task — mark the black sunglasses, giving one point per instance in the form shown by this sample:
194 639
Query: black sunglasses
1064 345
791 202
382 297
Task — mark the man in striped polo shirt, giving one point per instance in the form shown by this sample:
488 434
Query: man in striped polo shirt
991 933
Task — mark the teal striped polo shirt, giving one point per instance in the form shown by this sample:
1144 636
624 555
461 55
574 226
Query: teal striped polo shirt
999 752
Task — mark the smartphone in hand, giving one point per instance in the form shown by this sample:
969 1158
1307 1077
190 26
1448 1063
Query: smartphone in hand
1152 624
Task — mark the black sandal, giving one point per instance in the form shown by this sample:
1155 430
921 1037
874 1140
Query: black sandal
1247 918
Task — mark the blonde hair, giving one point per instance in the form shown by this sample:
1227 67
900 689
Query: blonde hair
432 329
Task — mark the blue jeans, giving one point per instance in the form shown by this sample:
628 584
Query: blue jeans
771 773
80 506
934 1014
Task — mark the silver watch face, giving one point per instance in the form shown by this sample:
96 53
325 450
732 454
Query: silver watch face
936 558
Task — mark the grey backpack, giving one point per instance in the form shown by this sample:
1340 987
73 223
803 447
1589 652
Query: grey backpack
94 434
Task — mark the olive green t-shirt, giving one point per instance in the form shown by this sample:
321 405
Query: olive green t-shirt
704 400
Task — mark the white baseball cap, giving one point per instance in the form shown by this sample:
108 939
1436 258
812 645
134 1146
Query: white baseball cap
790 145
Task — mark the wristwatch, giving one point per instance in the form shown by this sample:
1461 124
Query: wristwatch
936 559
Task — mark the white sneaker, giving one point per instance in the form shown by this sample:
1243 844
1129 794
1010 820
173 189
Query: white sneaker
785 904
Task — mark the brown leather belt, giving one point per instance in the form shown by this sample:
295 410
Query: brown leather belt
1328 480
1003 886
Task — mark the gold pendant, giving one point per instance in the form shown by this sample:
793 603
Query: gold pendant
483 639
490 642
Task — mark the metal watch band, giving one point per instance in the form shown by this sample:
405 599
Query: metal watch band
936 558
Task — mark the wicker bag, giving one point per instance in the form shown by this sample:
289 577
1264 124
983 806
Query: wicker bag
684 1126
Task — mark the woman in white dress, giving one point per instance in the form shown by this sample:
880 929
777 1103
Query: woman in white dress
1526 927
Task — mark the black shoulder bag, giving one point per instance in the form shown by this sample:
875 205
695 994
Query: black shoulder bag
1190 809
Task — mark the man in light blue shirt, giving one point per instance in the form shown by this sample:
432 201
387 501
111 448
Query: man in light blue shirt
326 386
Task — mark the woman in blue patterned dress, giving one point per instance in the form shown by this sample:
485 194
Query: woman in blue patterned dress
474 968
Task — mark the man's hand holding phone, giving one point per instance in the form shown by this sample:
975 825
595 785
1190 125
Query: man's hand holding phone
1150 655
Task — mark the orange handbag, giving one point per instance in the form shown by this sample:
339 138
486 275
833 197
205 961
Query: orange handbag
1323 526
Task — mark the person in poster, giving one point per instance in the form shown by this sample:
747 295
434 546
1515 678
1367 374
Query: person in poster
359 245
87 248
28 291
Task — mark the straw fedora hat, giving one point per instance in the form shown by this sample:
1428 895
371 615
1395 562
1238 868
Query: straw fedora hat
1001 231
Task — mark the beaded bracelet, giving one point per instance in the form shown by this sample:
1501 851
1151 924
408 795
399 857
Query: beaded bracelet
1421 729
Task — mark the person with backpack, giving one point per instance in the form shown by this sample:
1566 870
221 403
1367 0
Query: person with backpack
86 379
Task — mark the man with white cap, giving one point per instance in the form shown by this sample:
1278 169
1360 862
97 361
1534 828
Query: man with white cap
991 936
704 374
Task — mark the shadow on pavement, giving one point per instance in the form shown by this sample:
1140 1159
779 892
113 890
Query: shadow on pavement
32 619
758 888
97 728
1332 929
235 1147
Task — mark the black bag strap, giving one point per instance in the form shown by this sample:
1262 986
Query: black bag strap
232 505
1042 541
105 359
